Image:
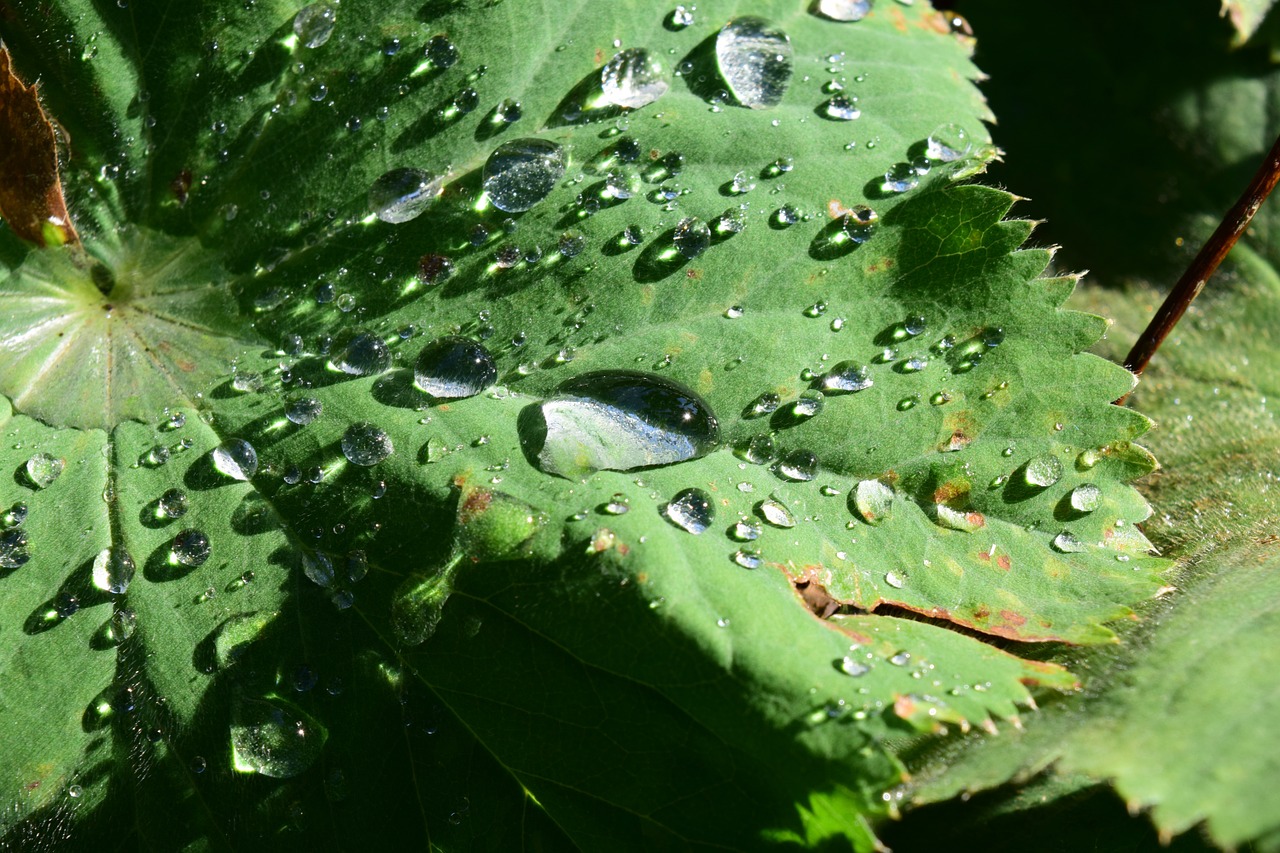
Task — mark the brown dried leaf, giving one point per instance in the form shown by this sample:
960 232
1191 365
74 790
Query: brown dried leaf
31 198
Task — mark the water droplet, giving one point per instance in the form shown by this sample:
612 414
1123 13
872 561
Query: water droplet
441 52
692 237
235 458
521 173
893 580
113 570
900 177
622 420
748 558
766 404
900 659
800 465
619 504
365 444
847 377
304 410
681 17
1043 471
841 108
314 24
843 10
786 216
775 513
1067 543
190 548
633 78
403 194
122 624
914 364
434 269
43 469
1086 497
873 500
364 354
452 367
755 60
745 530
808 405
948 142
357 565
13 549
859 223
318 567
692 510
273 738
172 504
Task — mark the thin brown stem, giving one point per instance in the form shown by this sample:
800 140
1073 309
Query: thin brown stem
1205 263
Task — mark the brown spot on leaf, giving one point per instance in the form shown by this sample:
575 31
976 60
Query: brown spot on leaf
181 187
953 493
31 199
693 274
904 707
1017 620
1004 562
898 19
836 209
599 56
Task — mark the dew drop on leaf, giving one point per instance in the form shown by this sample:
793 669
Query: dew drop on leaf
314 24
113 570
273 738
745 530
190 548
365 444
619 421
441 52
691 510
775 513
873 501
13 549
172 504
401 195
318 567
847 377
363 355
841 108
235 458
122 624
692 237
633 78
42 470
859 223
1067 543
799 465
754 58
1043 471
521 173
303 410
843 10
1086 497
452 367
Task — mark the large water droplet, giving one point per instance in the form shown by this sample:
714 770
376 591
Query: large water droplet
1043 471
364 354
190 548
692 510
273 738
314 24
236 458
692 236
1086 497
846 378
800 465
43 469
419 605
859 223
403 194
841 108
304 410
521 173
365 444
755 61
113 570
948 142
13 548
172 504
873 500
451 368
622 420
775 513
843 10
441 52
633 78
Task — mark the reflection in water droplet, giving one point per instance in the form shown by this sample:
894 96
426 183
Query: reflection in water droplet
622 420
451 368
318 567
13 549
172 504
365 444
841 108
364 354
859 223
893 580
304 410
846 378
755 60
314 24
843 10
948 142
272 737
113 570
403 194
1043 471
441 52
745 530
775 513
121 625
1086 497
190 548
235 458
873 500
1067 543
800 465
43 469
521 173
748 558
692 510
633 78
692 236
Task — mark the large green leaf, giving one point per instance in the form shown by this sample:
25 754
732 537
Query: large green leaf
637 681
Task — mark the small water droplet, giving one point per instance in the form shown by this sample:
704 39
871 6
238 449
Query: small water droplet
799 465
521 173
859 223
681 17
748 558
775 513
873 500
441 52
235 458
633 78
113 570
754 58
847 377
172 504
314 24
948 142
745 530
122 624
365 444
1067 543
900 178
691 510
843 10
304 410
900 659
190 548
841 108
893 580
401 195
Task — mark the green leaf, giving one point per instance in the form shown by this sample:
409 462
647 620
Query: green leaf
592 652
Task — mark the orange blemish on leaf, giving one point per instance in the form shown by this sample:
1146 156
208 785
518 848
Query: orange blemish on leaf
1014 619
1004 562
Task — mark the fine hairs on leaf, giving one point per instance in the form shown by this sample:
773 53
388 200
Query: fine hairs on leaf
515 429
